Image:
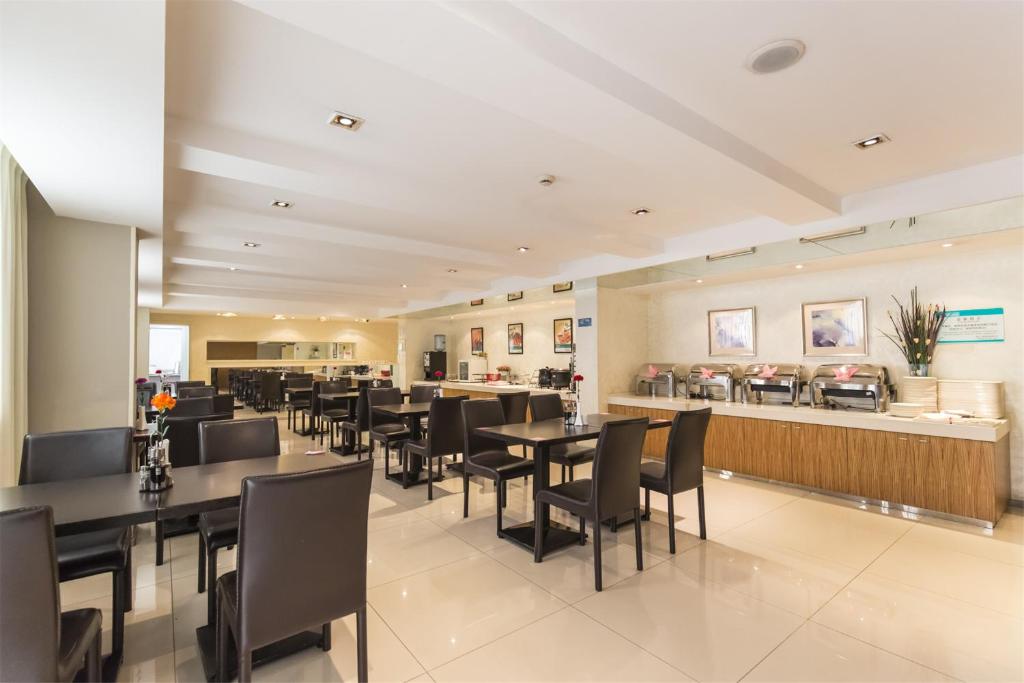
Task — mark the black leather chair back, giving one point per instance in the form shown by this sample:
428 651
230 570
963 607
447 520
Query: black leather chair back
616 473
188 383
192 407
183 434
514 405
345 382
382 397
684 458
546 407
270 389
382 384
301 550
223 403
445 435
75 455
421 393
196 392
223 440
29 598
481 412
363 410
299 375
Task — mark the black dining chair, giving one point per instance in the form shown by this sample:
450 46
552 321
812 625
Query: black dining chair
514 405
40 643
682 470
332 412
222 442
297 404
384 429
61 456
270 392
301 562
196 392
422 393
569 455
443 438
356 424
486 457
612 491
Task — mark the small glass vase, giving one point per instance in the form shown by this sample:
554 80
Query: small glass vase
578 420
918 369
155 474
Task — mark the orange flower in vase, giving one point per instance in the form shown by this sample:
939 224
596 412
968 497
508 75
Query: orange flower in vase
162 402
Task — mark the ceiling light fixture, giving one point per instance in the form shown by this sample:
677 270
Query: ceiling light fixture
642 211
523 250
405 286
947 245
834 235
279 316
799 266
452 270
546 180
281 204
731 254
346 121
232 268
775 56
251 245
229 314
873 141
700 282
322 318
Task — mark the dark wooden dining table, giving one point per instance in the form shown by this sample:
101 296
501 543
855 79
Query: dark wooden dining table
411 414
541 436
113 501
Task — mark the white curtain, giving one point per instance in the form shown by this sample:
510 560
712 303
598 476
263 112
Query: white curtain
13 316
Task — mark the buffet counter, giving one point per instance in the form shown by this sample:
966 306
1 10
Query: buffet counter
960 470
484 390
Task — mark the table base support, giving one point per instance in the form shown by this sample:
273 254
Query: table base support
207 638
415 478
557 536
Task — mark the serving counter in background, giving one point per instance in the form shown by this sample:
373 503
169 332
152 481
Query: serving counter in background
962 470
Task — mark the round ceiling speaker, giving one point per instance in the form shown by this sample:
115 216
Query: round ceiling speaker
776 56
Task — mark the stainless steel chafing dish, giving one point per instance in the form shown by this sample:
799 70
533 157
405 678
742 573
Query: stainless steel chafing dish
785 382
662 383
867 388
720 386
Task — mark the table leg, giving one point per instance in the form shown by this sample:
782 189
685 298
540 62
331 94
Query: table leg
415 461
555 535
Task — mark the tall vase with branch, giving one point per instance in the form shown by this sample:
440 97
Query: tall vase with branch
155 474
916 331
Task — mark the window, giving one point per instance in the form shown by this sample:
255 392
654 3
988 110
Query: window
168 349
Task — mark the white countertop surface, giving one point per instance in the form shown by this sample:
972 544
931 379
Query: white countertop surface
990 430
494 388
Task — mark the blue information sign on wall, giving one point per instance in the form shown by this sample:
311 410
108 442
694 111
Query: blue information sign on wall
583 322
972 325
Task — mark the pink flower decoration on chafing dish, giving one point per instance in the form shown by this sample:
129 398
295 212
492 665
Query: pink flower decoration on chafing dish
768 372
706 374
845 372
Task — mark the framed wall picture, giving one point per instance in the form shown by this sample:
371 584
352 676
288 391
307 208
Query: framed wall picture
731 332
476 302
514 296
561 287
835 328
515 338
476 340
563 335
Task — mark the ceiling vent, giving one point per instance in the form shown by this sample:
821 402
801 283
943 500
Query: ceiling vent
776 56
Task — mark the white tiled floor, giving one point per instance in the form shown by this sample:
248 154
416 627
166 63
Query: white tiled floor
789 586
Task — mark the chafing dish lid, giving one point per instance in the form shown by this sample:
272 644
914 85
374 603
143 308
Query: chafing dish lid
863 374
731 369
782 370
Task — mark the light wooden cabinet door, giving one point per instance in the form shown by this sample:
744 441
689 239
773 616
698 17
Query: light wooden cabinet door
765 449
873 464
820 457
723 448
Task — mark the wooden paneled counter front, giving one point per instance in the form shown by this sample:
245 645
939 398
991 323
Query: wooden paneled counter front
961 470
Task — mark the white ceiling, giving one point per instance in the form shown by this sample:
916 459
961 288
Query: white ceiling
628 103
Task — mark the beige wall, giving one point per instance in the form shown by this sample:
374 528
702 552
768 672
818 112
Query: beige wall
960 278
81 356
375 341
622 340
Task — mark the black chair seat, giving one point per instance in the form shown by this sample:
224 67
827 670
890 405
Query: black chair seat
571 454
335 413
652 474
500 462
298 405
572 495
220 527
92 553
419 446
389 428
78 630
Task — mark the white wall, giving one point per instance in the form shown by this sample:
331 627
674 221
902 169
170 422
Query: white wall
538 337
959 278
81 356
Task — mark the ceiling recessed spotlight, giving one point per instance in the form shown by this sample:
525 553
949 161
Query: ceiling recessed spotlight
546 180
642 211
232 268
452 270
228 314
775 56
346 121
799 266
405 286
251 245
279 316
700 282
293 317
523 250
873 141
281 204
322 318
947 245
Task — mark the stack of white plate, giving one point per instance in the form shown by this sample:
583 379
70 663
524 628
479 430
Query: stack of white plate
981 398
905 409
923 390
